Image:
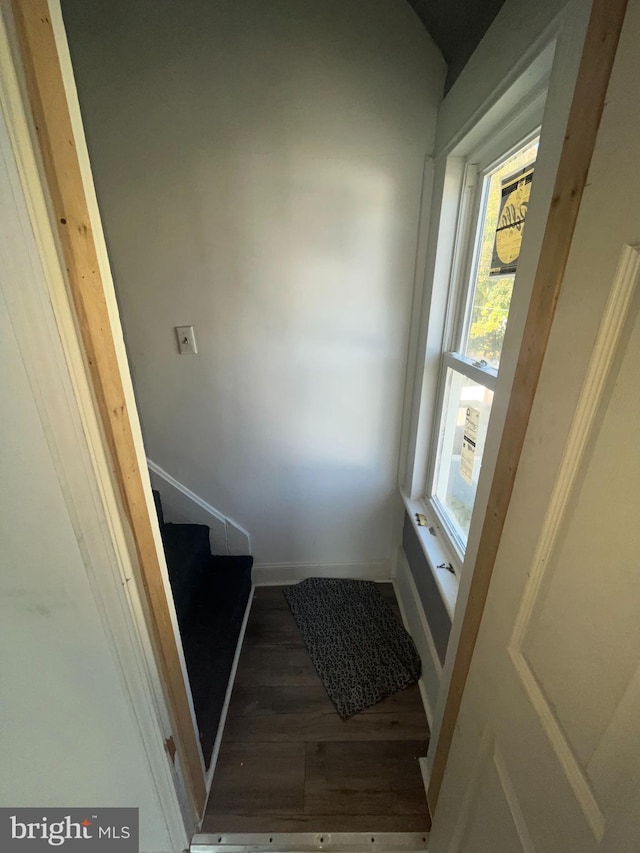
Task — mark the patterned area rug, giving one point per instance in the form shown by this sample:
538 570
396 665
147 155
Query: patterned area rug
358 646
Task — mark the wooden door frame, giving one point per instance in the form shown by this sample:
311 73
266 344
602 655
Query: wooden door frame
55 112
598 54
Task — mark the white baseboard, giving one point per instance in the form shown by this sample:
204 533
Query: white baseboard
426 779
277 574
424 772
416 623
182 506
227 699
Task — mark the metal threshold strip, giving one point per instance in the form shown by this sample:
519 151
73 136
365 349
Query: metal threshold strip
309 842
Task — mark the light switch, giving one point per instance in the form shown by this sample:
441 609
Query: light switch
186 340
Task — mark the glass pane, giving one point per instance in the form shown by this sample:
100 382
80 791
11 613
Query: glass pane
467 406
491 294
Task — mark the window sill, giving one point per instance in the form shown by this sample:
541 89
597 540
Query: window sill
436 553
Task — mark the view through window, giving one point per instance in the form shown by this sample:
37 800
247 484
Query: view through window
470 368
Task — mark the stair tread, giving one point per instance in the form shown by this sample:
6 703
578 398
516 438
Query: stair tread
210 639
210 595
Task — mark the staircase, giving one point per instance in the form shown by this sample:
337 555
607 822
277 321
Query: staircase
210 595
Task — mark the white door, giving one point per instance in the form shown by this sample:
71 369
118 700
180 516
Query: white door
546 755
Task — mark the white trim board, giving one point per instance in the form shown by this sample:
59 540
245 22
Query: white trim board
426 776
277 574
182 506
227 698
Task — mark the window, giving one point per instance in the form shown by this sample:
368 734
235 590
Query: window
478 310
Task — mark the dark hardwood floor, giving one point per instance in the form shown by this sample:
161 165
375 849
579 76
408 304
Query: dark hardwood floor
288 763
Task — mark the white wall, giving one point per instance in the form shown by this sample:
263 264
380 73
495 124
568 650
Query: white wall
259 169
68 736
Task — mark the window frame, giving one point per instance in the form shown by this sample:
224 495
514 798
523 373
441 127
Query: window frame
462 283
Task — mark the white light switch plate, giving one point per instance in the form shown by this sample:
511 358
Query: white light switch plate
186 340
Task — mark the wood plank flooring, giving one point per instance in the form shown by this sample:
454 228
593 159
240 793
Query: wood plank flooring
288 763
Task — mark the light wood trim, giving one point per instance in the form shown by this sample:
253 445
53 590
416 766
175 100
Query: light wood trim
596 63
64 177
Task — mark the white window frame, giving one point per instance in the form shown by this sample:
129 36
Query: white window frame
458 315
448 258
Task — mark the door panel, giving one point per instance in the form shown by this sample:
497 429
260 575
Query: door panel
492 822
573 657
546 756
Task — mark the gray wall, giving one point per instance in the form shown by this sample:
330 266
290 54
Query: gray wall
430 596
259 169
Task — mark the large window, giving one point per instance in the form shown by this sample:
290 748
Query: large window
479 311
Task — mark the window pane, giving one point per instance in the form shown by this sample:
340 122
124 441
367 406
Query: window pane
491 294
467 406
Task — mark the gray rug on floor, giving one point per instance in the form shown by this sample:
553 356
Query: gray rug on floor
358 646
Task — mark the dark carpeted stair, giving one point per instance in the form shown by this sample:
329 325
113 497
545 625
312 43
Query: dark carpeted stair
186 547
211 637
210 595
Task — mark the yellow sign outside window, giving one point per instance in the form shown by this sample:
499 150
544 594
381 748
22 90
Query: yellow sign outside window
513 211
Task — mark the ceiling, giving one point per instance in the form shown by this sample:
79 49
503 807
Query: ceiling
456 26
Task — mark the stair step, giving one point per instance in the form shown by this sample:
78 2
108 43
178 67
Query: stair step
210 639
186 547
210 596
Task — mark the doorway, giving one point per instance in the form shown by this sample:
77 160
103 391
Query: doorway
79 232
135 512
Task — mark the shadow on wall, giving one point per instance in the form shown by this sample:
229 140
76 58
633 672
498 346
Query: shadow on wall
259 170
